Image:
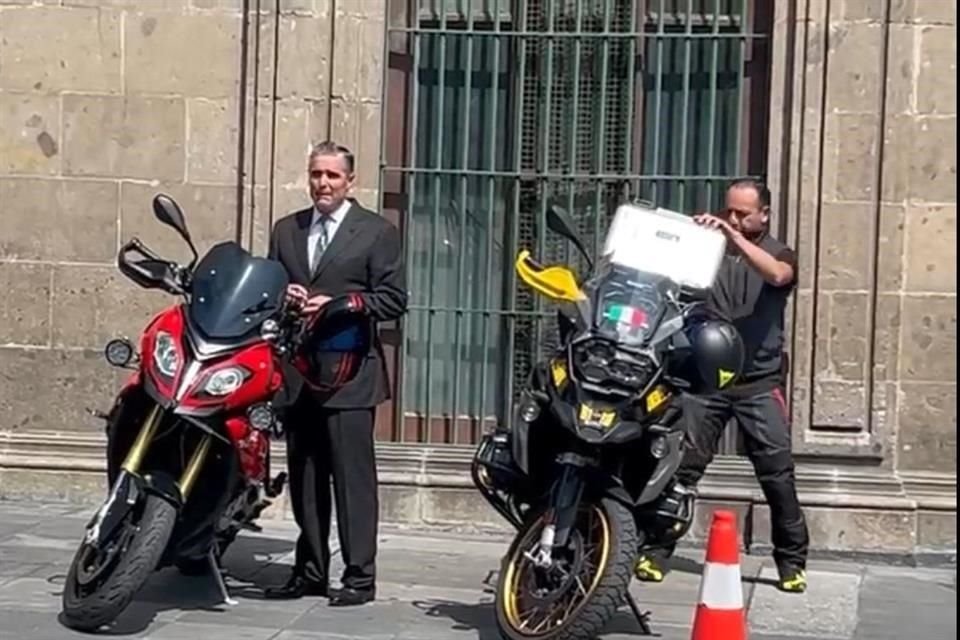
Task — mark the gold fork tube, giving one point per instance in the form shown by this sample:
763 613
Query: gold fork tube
139 449
193 467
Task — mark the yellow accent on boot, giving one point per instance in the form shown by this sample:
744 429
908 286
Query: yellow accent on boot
794 582
647 570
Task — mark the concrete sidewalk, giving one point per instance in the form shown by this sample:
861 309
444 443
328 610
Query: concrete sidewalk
438 587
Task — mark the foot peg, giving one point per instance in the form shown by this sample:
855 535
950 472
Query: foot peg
96 413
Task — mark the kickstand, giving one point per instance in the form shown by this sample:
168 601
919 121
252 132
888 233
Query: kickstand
643 617
221 585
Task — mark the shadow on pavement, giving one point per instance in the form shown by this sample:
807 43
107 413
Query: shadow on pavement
465 617
168 590
682 564
480 617
759 580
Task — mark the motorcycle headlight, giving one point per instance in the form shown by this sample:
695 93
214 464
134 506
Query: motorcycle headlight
600 362
261 417
166 354
225 381
593 358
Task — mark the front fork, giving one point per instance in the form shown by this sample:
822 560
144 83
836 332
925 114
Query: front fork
138 451
131 482
561 514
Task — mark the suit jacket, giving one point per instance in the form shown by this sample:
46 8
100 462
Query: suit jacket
365 257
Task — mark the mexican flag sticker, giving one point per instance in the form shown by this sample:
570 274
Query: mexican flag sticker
623 314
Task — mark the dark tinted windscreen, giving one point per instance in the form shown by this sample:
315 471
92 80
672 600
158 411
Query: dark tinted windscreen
233 291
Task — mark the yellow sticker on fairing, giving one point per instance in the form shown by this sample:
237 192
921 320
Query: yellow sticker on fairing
597 418
559 371
656 398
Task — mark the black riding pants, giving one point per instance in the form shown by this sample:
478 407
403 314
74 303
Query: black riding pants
763 419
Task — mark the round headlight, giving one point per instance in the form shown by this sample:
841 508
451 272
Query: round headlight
658 448
118 352
529 411
261 417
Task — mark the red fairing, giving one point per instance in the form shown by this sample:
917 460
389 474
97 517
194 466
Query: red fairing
261 375
251 446
167 321
262 380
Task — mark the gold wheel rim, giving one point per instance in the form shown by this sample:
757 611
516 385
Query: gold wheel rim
515 571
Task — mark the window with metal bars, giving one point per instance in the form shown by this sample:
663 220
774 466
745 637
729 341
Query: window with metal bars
515 105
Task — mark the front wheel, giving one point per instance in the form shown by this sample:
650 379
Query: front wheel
579 593
101 583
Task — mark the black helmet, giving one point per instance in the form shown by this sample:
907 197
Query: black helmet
337 340
718 353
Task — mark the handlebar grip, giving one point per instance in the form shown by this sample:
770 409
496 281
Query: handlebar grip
142 249
151 271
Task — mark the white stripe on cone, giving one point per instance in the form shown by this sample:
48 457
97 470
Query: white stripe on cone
720 587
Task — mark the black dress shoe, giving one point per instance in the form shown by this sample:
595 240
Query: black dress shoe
296 587
350 597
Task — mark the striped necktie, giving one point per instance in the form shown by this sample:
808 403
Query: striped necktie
322 242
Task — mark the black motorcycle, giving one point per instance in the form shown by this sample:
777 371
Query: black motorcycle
585 471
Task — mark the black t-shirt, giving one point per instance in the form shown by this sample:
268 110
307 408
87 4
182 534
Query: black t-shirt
757 310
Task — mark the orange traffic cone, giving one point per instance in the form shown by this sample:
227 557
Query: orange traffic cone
720 614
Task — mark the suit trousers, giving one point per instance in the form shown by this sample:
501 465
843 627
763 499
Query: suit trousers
325 444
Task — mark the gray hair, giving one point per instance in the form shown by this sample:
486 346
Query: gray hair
331 148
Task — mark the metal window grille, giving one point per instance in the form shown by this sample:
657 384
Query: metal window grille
497 109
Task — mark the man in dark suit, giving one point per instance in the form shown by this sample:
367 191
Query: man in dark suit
333 248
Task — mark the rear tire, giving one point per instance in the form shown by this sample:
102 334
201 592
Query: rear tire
606 591
107 600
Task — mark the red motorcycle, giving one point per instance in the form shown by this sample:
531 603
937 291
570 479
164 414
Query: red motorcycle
188 436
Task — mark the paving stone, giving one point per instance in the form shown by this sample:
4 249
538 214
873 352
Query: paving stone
884 612
440 587
828 608
194 631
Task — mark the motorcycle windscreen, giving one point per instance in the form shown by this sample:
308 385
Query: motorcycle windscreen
629 305
234 292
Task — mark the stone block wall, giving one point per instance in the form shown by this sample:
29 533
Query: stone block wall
865 160
104 103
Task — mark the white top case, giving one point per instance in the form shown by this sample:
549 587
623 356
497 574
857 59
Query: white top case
664 242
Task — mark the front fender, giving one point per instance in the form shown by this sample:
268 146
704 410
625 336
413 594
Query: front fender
609 486
124 496
123 422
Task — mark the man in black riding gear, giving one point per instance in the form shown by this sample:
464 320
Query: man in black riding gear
757 276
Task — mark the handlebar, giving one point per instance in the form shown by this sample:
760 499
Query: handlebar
151 271
143 249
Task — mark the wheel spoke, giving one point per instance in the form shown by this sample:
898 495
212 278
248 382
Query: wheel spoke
582 588
545 600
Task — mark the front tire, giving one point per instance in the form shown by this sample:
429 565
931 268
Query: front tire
91 601
604 543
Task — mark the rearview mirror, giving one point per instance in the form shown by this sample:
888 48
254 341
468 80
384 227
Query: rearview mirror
560 222
557 283
169 213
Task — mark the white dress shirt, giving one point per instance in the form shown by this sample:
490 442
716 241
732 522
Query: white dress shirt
316 230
